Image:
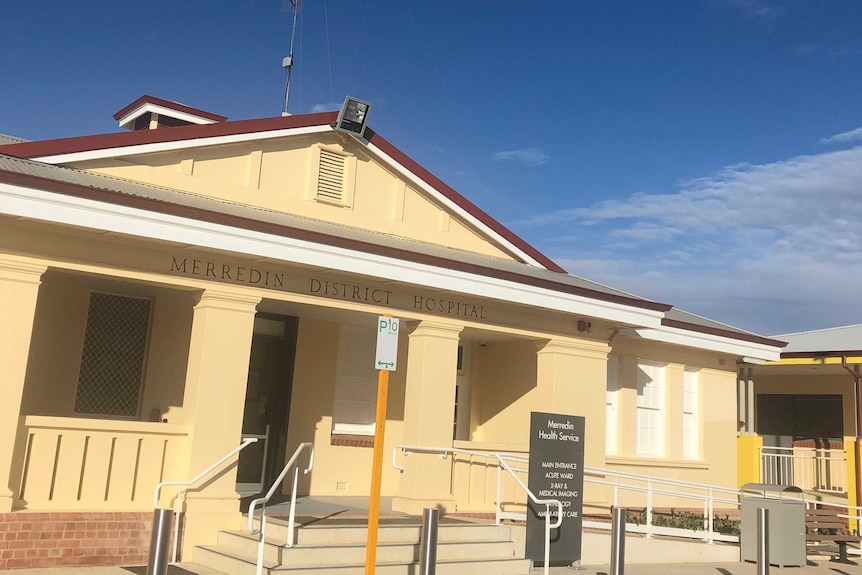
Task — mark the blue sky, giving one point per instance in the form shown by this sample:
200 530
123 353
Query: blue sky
704 153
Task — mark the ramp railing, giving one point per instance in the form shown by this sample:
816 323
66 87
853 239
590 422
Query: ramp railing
502 464
291 464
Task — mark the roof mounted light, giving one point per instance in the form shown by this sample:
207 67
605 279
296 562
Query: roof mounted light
353 116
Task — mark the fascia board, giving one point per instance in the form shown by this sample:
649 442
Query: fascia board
815 360
453 206
57 208
162 111
707 341
70 158
237 138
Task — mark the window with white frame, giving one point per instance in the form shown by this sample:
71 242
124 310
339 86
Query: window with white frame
612 405
690 415
650 409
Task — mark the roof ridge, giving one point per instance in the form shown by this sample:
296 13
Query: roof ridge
821 330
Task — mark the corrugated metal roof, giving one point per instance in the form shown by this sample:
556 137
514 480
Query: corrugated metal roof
186 199
844 338
688 317
138 189
7 139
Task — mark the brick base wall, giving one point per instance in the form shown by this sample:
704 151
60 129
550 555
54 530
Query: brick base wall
30 540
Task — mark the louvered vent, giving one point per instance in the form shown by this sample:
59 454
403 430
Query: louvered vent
330 177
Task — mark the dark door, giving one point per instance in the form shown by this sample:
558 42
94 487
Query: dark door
267 402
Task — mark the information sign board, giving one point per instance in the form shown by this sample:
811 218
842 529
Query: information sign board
556 471
387 343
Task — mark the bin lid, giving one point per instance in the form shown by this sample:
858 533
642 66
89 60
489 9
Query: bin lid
771 488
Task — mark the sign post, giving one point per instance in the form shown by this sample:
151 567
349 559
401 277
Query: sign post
556 471
385 360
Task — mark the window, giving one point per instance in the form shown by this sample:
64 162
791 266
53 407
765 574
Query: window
355 403
112 361
690 415
612 405
650 410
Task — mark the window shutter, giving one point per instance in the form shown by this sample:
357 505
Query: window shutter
330 177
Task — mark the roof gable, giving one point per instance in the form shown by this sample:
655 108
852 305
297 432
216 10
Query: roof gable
92 152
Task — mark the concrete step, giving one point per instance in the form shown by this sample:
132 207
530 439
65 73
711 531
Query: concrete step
218 560
241 544
277 530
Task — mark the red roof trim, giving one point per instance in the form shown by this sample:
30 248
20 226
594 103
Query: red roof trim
818 354
163 207
171 105
460 200
179 133
722 332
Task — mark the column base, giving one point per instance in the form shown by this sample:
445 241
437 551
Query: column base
413 506
7 501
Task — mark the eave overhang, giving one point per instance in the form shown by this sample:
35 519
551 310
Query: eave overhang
29 197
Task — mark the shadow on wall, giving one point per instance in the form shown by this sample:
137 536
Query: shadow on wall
503 373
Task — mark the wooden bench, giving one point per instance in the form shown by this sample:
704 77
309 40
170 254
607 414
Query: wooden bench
824 525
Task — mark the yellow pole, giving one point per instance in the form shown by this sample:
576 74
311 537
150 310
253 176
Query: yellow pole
376 472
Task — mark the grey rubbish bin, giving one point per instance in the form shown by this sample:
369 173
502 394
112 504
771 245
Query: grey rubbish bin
786 523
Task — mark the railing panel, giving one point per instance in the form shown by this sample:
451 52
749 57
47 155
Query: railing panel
151 467
96 464
39 471
805 467
123 464
70 454
474 482
97 467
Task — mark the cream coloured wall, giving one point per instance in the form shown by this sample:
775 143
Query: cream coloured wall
55 349
277 174
58 336
717 461
311 408
503 391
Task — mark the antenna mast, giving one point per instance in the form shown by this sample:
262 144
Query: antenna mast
287 63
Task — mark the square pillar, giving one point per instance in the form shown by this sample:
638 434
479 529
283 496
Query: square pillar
19 288
571 376
674 374
748 459
429 412
213 404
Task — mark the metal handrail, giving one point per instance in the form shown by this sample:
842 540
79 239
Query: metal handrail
265 499
245 443
180 484
601 476
501 459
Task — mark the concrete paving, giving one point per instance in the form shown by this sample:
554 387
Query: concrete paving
818 568
815 568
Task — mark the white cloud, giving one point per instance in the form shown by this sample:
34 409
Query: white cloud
755 8
807 49
526 156
850 136
774 248
324 107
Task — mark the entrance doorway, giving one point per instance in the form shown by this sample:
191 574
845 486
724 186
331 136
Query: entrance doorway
267 402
